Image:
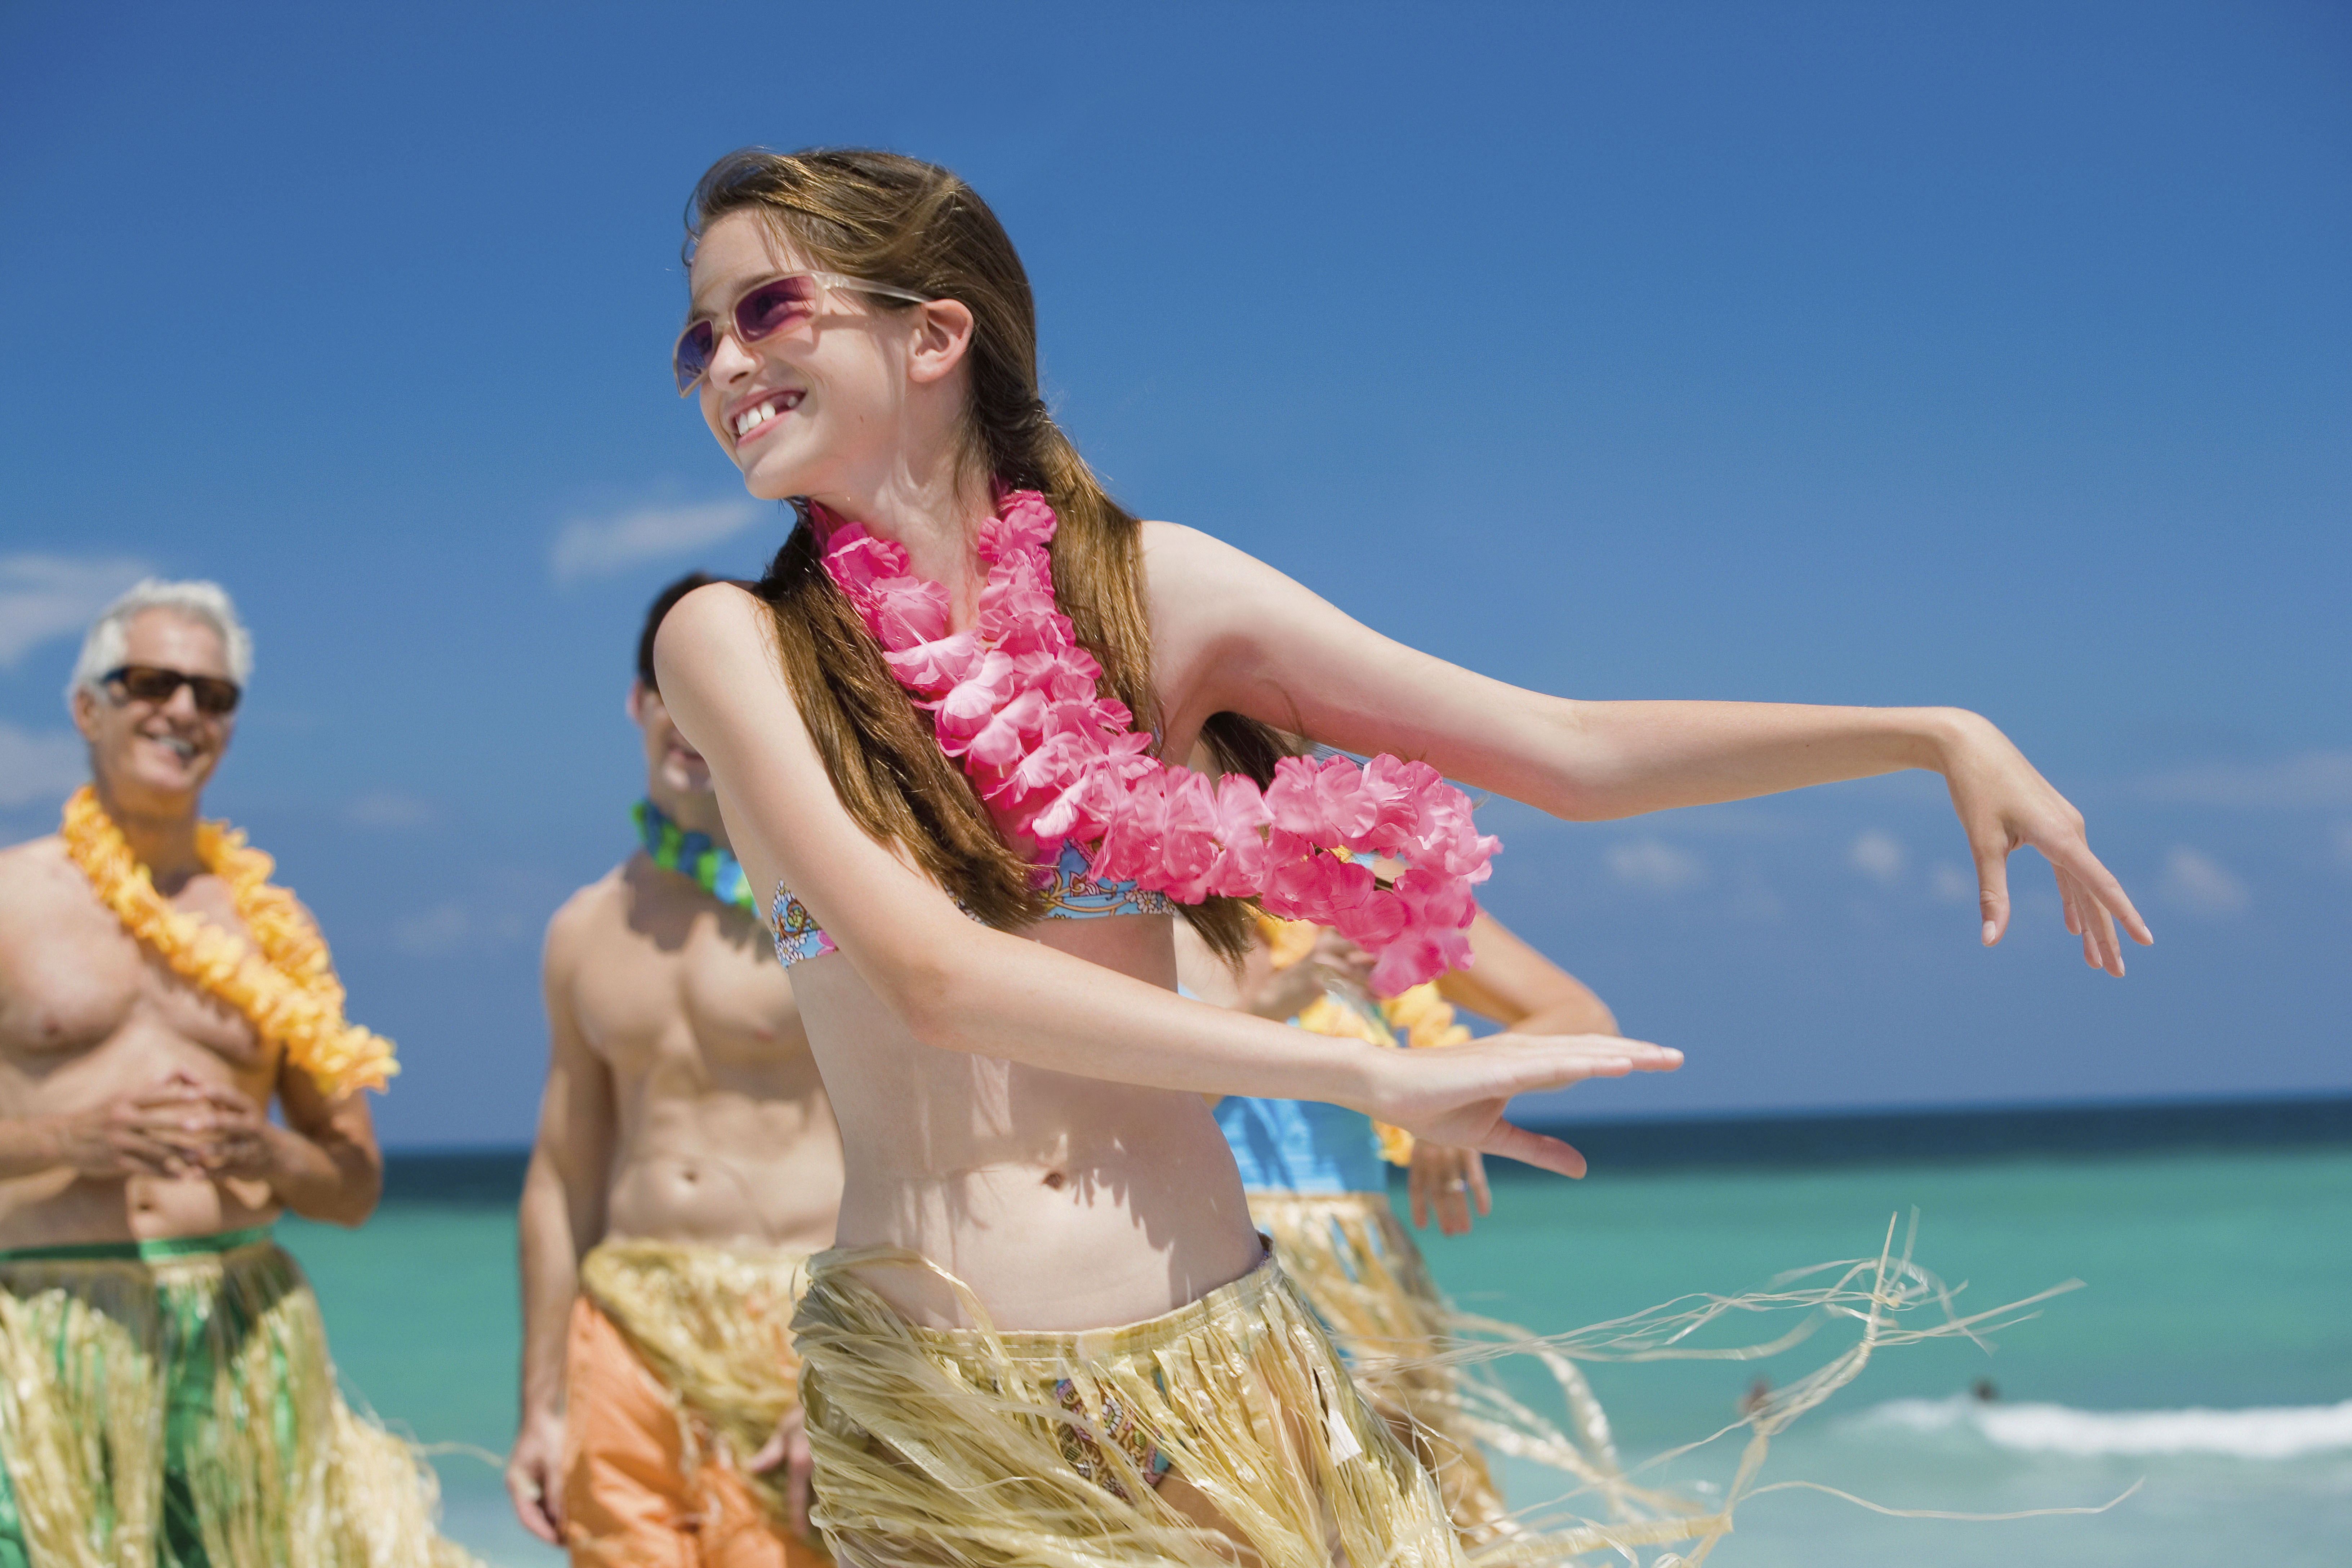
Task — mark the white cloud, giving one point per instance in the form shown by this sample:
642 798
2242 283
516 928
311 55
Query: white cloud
382 808
2195 883
45 596
1950 884
39 765
442 929
593 547
1877 856
508 907
2322 779
1654 866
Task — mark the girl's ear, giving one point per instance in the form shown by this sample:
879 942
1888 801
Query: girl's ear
942 335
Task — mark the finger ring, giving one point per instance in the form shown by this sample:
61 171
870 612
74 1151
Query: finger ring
1457 1185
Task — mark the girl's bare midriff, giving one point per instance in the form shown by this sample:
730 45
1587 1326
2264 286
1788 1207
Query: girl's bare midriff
1063 1202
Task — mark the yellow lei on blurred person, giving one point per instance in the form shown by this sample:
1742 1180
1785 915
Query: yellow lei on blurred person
288 991
1418 1017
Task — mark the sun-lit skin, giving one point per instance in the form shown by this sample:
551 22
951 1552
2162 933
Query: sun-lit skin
880 395
131 1103
681 1104
677 777
1027 1111
1511 985
148 759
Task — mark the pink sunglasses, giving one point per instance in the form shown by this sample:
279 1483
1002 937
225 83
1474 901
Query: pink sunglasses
761 312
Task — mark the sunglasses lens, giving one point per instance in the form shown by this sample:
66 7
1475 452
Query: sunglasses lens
773 307
151 685
692 355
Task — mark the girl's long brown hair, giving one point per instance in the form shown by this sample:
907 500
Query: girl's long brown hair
912 224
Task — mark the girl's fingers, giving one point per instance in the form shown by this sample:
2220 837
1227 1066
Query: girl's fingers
2101 950
1473 1169
1992 887
2070 904
1536 1149
2074 858
2096 904
2081 918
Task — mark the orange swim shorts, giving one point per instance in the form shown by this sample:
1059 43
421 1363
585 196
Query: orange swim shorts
631 1493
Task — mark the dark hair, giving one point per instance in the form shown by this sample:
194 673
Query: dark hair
664 602
915 226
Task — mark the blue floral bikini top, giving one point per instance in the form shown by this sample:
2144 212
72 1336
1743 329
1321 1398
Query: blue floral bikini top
1072 895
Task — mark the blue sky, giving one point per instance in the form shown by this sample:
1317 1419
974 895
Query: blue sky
1983 355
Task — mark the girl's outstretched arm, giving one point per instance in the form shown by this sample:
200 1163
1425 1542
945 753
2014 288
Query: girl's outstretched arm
1229 632
959 986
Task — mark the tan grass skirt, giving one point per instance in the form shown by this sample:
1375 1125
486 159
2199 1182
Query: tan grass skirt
173 1403
1359 1269
1225 1432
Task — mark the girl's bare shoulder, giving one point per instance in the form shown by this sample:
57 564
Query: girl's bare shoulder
713 628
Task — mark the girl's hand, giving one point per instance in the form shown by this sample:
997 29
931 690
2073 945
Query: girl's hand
1457 1096
1447 1181
2004 804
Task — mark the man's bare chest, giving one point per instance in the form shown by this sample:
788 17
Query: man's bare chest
714 998
74 978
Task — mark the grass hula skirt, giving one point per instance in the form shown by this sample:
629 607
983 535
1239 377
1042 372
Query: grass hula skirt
1228 1422
172 1404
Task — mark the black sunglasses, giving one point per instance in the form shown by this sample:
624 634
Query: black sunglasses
153 683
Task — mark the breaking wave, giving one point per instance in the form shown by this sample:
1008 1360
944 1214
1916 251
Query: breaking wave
2280 1432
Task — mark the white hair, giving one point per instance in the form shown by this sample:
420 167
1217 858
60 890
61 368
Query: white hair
110 635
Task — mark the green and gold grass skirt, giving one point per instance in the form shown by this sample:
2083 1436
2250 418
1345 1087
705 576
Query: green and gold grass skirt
172 1404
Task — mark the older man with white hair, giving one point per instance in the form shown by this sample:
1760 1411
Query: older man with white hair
165 1395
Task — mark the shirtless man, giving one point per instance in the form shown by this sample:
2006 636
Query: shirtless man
134 1130
687 1161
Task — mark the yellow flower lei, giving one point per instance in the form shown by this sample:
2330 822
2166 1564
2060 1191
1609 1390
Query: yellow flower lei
1419 1018
288 991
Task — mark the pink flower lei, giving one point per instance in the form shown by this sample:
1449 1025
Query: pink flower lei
1015 700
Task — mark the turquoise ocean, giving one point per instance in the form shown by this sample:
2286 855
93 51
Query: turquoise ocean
2207 1357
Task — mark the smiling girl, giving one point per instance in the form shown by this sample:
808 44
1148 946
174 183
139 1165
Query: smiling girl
1050 1332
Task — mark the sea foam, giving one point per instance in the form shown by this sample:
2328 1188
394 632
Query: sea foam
2275 1432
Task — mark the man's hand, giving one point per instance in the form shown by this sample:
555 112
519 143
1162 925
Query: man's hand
1447 1181
162 1130
1283 993
535 1477
239 1134
790 1448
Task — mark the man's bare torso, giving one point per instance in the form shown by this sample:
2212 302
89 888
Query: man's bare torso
722 1130
85 1013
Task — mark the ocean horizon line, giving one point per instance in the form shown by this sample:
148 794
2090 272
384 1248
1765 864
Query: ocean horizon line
1778 1138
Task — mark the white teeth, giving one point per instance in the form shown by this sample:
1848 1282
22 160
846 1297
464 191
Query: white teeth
752 418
